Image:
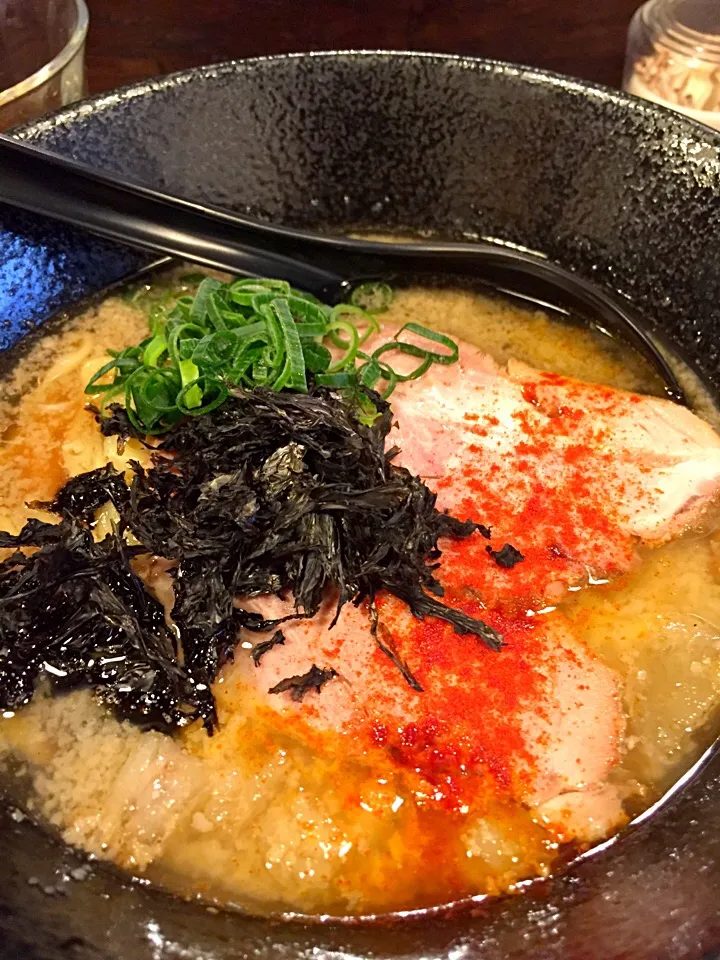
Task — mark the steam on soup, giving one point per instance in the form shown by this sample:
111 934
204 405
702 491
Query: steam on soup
479 684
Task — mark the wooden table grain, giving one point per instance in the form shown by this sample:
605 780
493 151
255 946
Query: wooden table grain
133 39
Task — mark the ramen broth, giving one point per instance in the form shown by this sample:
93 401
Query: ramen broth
269 816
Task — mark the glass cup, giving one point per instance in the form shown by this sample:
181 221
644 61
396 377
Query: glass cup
42 57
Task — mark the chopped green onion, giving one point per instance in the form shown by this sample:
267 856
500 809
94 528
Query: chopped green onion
119 364
292 376
256 333
214 393
372 297
436 337
215 312
345 310
199 308
338 380
186 348
191 392
181 333
148 397
309 331
155 350
317 357
307 311
426 360
216 350
348 357
375 370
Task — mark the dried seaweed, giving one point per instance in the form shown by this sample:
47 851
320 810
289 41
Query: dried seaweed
265 646
507 556
270 494
297 687
386 644
76 612
83 495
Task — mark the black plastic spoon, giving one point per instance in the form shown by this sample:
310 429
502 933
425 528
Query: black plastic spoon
327 266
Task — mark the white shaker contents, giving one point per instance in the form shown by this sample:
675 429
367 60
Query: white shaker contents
673 57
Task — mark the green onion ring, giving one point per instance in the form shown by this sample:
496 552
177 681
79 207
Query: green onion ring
412 350
115 364
155 350
351 345
374 297
176 333
341 311
205 385
444 358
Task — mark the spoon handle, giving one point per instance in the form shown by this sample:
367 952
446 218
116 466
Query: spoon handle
55 187
326 266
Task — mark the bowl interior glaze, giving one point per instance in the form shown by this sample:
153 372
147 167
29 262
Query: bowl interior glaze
625 193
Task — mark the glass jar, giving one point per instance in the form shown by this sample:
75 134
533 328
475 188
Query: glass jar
42 57
673 57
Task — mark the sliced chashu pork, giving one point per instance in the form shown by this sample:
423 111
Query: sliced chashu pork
573 475
538 720
114 790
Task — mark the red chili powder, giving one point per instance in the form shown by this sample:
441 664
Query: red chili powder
464 736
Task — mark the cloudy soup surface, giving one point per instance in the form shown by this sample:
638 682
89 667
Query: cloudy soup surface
390 760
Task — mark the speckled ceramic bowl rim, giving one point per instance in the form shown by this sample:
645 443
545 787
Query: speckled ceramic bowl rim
99 102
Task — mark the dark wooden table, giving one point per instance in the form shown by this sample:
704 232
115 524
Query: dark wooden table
133 39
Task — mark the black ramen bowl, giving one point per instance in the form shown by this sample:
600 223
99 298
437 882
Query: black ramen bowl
624 193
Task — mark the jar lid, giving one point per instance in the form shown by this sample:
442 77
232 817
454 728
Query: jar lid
688 27
681 68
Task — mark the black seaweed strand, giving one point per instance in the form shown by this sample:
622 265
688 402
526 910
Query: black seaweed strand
507 556
265 646
315 679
